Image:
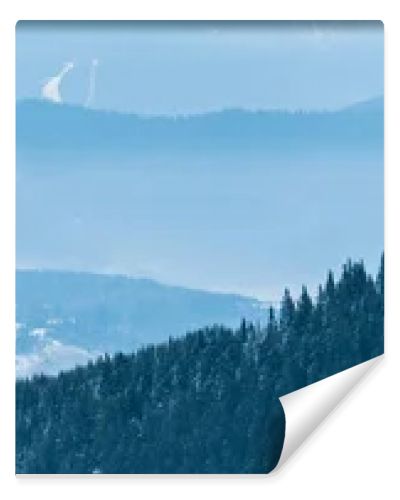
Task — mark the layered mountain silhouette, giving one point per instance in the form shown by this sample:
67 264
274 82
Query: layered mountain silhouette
46 127
230 200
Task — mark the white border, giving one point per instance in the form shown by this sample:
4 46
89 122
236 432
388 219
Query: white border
355 452
308 407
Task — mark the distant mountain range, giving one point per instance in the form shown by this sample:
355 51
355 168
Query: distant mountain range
66 318
230 200
46 128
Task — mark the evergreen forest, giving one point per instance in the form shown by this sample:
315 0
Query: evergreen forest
205 402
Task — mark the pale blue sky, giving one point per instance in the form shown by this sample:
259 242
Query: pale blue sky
173 68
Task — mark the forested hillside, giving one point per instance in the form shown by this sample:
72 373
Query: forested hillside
64 318
204 403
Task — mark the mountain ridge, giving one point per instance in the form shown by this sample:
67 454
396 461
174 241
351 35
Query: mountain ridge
67 318
373 103
45 128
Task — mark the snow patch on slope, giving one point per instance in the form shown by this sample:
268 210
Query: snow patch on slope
53 357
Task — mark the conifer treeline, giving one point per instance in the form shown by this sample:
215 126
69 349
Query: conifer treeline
204 403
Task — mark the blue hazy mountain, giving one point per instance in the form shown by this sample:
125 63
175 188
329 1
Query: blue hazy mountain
235 200
66 318
371 106
47 128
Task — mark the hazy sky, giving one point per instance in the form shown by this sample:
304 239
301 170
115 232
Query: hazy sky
169 68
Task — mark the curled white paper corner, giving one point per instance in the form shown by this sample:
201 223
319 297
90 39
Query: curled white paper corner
306 408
